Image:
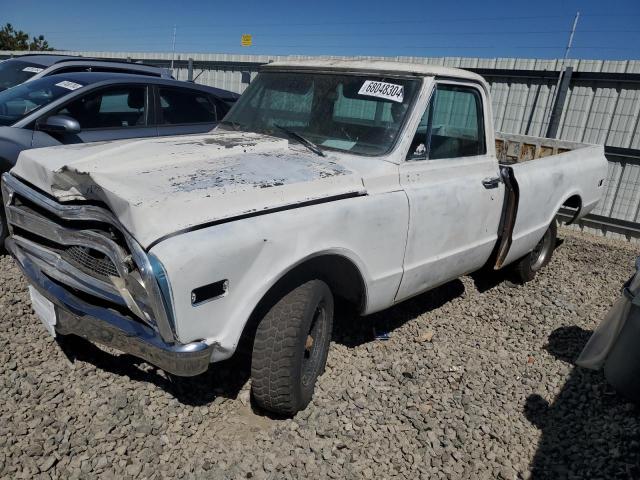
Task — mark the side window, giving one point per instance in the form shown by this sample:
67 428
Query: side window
185 106
452 125
113 107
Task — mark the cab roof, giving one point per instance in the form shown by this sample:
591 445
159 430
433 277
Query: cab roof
376 66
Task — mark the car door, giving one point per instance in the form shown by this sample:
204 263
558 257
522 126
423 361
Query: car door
110 113
183 111
451 179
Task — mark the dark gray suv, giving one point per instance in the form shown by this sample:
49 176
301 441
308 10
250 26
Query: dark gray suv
16 70
82 107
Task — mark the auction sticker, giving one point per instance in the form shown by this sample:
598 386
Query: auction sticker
69 85
32 69
388 91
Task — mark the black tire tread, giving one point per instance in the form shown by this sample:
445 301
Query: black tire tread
274 357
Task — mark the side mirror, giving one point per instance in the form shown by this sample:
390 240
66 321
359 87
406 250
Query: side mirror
59 124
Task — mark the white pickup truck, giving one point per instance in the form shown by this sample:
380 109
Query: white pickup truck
369 181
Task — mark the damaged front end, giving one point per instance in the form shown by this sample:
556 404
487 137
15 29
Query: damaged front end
104 286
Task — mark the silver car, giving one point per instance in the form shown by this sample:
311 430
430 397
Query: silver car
81 107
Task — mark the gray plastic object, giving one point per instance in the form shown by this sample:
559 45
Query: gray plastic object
603 340
616 342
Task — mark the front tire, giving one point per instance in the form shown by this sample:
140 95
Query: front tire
527 267
290 348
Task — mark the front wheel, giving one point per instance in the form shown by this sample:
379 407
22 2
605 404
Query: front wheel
290 348
527 267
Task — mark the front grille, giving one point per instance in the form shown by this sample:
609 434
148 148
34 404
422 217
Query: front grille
84 247
91 261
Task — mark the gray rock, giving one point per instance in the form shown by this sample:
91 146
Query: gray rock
458 405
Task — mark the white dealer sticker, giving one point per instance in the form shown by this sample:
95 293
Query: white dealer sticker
32 69
69 85
389 91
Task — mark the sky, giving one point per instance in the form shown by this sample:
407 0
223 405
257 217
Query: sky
525 29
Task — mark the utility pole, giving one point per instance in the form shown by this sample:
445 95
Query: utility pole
562 87
173 48
573 30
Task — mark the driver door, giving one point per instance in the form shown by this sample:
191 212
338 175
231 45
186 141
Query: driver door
455 198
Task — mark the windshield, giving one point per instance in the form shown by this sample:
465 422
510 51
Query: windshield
15 72
18 102
355 113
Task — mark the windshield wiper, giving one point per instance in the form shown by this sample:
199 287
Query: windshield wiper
307 143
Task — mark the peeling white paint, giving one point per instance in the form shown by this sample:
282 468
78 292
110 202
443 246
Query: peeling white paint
159 186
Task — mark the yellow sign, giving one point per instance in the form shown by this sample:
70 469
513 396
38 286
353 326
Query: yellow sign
245 40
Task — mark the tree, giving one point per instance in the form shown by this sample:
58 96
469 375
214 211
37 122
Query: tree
11 39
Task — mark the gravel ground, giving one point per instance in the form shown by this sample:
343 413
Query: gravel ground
475 381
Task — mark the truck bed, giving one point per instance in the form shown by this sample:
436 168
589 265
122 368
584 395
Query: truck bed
563 174
512 148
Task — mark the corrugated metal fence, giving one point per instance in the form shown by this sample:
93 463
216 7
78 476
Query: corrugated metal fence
602 106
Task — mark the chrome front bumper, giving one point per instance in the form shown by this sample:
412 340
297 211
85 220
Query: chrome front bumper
108 327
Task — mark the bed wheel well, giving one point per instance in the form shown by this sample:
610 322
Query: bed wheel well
572 206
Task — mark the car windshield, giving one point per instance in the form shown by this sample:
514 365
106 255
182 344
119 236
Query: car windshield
21 100
360 114
14 72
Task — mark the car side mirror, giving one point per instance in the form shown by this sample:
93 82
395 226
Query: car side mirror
59 124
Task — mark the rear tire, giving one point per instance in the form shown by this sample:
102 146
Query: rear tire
290 348
527 267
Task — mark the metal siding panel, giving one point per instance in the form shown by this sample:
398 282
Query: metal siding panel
499 96
601 114
611 183
625 203
574 113
515 108
625 119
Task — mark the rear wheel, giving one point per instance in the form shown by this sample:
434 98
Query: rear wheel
290 348
527 267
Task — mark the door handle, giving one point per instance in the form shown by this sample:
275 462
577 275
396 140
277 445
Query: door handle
491 182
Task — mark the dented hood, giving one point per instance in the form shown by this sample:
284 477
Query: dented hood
160 186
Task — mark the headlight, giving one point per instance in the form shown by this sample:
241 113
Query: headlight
162 279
